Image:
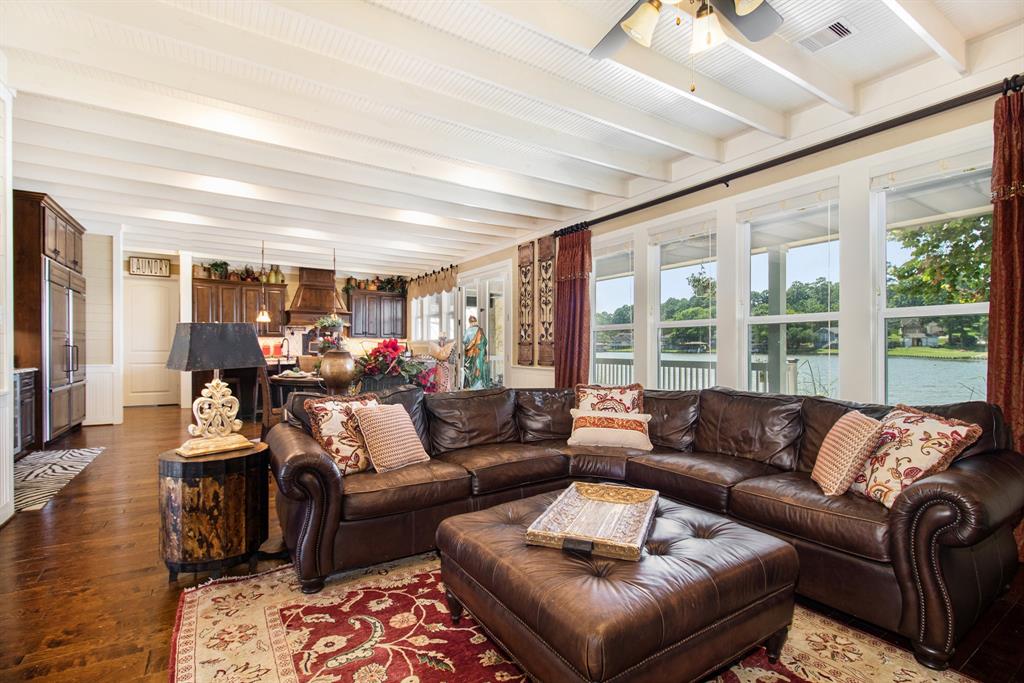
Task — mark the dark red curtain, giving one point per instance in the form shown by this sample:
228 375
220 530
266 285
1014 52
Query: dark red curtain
1006 302
572 309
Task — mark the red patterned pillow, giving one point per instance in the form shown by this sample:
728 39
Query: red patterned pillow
337 431
627 399
913 445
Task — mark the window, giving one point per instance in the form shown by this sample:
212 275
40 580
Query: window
614 337
793 331
432 315
938 248
687 286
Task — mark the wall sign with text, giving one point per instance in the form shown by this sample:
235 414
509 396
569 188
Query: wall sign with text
149 267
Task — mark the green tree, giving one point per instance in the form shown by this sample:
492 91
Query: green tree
950 263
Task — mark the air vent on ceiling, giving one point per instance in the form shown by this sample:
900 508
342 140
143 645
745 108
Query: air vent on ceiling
829 35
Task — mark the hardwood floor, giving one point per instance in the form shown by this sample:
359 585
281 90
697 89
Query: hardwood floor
84 595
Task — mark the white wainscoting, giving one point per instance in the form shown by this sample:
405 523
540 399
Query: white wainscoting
7 461
100 401
525 377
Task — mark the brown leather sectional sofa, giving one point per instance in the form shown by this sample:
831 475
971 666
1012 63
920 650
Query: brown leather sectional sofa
927 568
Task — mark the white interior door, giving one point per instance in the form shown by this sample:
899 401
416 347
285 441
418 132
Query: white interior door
150 314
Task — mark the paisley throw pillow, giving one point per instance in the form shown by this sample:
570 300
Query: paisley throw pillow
627 399
604 428
912 445
337 431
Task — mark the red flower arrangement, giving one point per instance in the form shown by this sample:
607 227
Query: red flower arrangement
384 359
428 380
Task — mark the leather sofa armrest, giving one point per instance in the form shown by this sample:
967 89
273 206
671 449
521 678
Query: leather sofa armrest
972 504
294 452
305 473
983 493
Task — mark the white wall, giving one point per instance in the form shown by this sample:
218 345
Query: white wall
6 303
103 367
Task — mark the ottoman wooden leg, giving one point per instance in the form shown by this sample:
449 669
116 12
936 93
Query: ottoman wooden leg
454 606
774 644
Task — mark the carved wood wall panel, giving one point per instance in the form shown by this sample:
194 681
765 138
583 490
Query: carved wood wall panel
546 301
526 304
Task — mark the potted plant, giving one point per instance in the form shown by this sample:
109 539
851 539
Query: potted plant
219 270
384 367
329 324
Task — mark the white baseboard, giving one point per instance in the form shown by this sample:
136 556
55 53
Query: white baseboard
100 408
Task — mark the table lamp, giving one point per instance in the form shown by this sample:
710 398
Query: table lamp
215 346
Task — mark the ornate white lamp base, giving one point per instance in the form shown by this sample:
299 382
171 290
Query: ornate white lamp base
216 429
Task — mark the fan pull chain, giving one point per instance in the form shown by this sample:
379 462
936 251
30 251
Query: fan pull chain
693 81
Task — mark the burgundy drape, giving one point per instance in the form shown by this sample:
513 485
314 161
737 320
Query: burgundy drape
572 309
1006 302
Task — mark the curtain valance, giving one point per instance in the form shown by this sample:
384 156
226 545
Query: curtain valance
443 280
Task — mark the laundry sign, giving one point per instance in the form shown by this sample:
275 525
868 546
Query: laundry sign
149 267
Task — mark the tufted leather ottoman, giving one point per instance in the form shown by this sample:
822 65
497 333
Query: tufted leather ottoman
706 591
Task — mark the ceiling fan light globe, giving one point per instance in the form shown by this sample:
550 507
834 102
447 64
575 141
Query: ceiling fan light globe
745 7
707 31
641 24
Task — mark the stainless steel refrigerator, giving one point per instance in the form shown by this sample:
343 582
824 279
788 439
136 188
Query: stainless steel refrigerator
63 349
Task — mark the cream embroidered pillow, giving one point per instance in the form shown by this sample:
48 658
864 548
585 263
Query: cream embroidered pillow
913 445
627 399
335 428
391 437
844 451
602 428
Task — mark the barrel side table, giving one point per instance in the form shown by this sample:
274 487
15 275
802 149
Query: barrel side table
213 510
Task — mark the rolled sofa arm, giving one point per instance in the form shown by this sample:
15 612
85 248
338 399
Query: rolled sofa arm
306 474
969 508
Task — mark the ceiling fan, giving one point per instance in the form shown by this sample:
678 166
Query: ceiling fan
755 19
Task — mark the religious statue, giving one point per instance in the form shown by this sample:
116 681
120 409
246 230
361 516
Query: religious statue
474 343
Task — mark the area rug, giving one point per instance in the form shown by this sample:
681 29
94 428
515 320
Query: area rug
40 475
391 623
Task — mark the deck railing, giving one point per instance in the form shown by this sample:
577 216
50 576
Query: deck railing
686 374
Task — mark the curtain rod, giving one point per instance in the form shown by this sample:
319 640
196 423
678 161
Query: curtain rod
1014 83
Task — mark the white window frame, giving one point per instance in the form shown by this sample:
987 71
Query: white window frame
420 315
612 246
826 190
656 239
912 175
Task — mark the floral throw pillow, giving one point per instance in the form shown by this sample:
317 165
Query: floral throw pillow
337 431
912 445
627 399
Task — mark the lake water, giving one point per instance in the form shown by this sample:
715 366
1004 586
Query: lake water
915 381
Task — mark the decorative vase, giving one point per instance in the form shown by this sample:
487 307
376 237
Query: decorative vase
198 270
338 370
275 277
234 276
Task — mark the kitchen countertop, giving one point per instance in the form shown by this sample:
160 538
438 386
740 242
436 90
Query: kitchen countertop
18 371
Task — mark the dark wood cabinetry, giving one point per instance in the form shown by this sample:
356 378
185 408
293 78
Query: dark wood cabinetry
24 412
377 314
49 316
226 301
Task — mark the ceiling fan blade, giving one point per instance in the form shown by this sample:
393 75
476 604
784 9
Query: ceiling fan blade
616 38
757 25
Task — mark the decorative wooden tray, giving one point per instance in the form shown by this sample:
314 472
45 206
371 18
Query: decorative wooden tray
602 519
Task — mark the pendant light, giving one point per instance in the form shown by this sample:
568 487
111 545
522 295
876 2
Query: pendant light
641 24
264 315
707 31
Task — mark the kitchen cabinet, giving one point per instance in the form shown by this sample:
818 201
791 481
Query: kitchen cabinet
377 314
24 412
62 235
228 301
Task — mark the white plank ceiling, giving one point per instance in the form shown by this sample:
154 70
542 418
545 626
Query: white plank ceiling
412 134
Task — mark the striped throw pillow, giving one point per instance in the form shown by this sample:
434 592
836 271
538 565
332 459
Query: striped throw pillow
391 437
845 449
600 428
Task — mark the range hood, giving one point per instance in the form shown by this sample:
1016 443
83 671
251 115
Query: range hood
316 297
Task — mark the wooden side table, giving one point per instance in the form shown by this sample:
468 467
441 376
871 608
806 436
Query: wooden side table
213 509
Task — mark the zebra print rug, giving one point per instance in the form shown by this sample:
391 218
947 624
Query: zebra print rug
40 475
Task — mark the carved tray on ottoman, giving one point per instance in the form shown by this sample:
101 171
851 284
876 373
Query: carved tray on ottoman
705 591
602 519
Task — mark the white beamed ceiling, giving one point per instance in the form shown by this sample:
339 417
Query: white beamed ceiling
411 134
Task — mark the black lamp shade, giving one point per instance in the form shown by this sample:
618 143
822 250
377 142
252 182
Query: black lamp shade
215 346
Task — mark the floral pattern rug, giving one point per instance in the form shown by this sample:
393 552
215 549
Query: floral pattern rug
391 623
